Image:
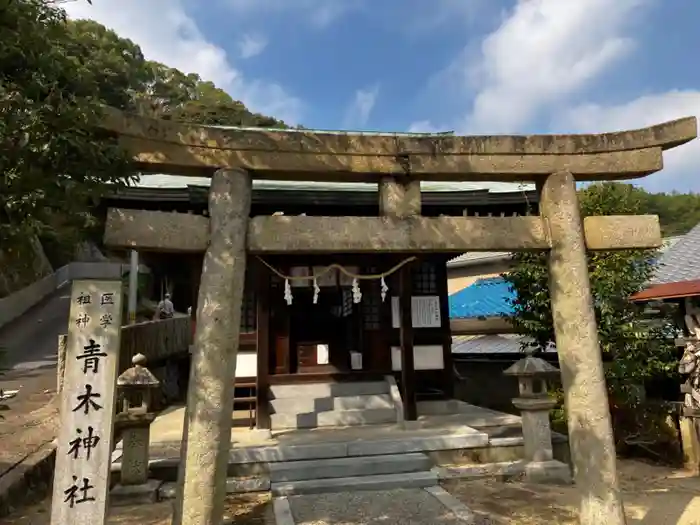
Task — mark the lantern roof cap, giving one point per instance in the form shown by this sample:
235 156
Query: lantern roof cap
531 366
138 375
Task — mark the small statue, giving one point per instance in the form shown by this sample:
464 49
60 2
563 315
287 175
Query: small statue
690 363
690 366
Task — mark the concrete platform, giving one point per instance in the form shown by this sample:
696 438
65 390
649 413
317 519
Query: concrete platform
167 429
436 430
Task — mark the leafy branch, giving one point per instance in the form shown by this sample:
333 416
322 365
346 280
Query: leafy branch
636 348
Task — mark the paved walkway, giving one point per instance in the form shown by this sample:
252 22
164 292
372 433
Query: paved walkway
431 506
30 348
30 345
31 341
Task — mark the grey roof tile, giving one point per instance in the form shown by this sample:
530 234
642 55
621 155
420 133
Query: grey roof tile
680 260
489 344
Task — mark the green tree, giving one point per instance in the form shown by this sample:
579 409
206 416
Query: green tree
56 75
638 349
52 156
115 66
172 95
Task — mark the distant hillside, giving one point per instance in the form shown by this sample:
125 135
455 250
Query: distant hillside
678 212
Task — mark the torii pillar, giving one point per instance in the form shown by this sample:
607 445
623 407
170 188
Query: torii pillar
213 369
576 332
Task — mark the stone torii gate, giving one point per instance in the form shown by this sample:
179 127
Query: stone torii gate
397 163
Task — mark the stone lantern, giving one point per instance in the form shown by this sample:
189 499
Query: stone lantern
534 404
136 386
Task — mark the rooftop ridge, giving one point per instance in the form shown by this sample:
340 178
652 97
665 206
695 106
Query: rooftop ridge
329 131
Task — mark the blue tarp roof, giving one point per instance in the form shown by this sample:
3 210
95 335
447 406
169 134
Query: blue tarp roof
485 298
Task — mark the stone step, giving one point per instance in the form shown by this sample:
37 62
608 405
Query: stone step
303 405
333 418
400 443
166 458
320 390
287 471
379 482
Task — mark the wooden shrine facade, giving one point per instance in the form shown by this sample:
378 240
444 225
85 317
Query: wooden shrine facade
361 339
397 164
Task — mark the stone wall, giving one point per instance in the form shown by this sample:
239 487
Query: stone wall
16 304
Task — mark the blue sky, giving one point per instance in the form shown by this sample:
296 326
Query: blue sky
472 66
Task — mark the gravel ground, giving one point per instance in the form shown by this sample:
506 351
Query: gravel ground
652 495
240 510
391 507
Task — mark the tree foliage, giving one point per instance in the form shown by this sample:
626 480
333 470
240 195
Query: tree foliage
638 349
56 74
52 157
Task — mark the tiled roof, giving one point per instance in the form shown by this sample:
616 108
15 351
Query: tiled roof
681 260
178 181
485 298
675 290
482 257
476 257
489 344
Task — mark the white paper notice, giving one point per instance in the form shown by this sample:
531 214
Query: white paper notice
356 360
322 354
425 311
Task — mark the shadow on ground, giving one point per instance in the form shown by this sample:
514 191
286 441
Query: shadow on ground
653 495
240 510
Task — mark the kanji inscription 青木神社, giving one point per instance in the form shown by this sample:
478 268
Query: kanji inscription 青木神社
83 456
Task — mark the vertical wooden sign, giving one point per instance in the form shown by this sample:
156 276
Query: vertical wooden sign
83 453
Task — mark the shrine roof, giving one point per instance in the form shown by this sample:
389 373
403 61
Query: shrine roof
333 131
163 180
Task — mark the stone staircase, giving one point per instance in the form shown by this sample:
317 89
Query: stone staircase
317 405
450 440
411 470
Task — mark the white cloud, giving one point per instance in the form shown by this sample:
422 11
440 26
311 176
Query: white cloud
361 108
421 18
320 13
251 45
681 165
167 34
543 52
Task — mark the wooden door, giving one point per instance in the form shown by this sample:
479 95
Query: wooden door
279 337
